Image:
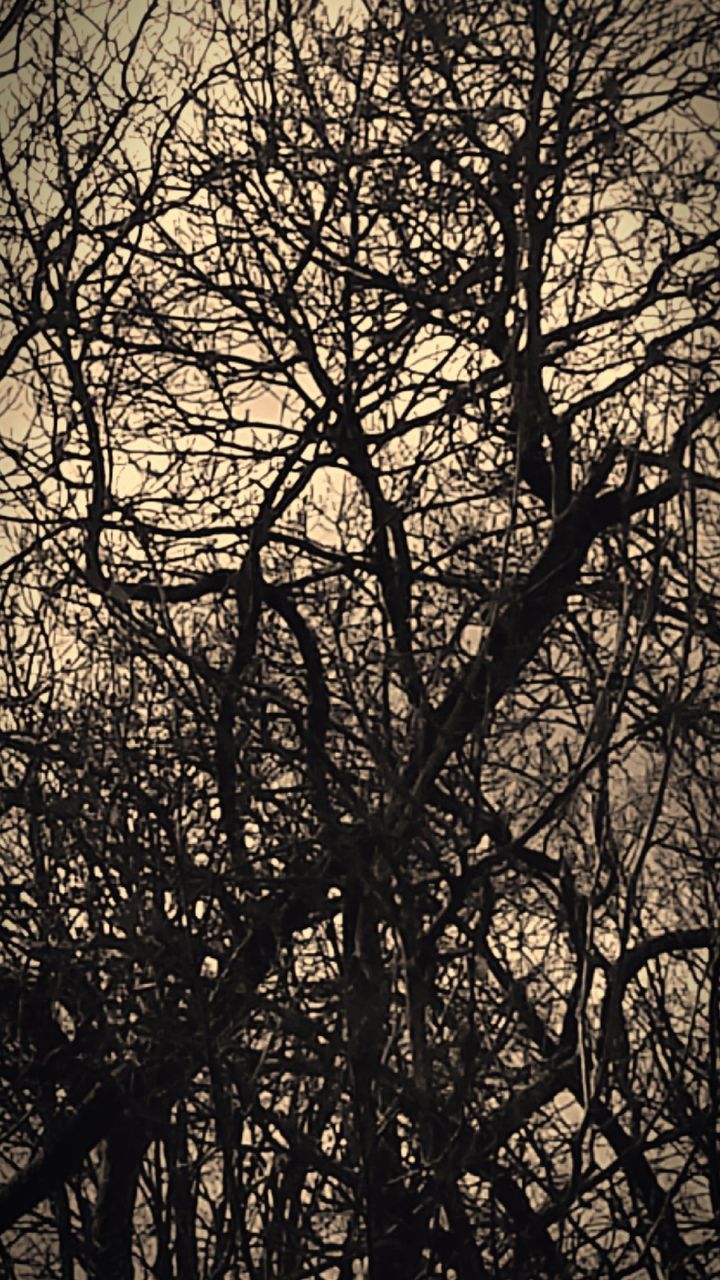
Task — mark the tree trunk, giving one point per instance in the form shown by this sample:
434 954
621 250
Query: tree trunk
122 1156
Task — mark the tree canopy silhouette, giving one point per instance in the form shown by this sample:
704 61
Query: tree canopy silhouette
358 836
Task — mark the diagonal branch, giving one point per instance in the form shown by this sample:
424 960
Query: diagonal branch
64 1155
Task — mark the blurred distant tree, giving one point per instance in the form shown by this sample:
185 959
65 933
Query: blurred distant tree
359 842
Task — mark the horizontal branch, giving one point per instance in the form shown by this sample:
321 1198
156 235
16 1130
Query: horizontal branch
677 941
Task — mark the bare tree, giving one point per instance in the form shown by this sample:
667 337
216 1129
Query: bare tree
359 835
